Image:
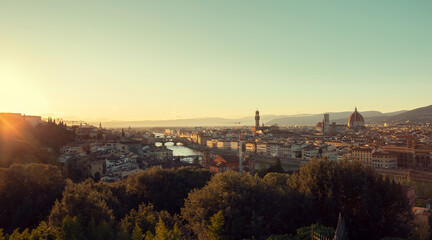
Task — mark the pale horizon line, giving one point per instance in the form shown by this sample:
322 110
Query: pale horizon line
77 119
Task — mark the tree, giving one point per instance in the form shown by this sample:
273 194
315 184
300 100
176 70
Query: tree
86 201
71 229
164 233
305 233
16 235
363 197
166 189
53 135
139 222
44 232
275 168
277 179
21 143
27 193
251 208
146 223
2 237
215 230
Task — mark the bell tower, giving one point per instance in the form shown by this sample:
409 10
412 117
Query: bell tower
257 119
326 124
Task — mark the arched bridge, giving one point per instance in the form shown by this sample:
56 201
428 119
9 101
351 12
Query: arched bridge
166 139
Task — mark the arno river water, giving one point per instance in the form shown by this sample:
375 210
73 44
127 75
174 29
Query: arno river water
179 150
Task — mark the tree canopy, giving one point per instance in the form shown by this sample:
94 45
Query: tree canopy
27 193
166 189
363 197
190 203
250 206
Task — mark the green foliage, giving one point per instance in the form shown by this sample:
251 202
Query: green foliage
16 235
144 223
166 189
250 206
71 229
318 192
20 143
227 206
17 151
27 193
99 232
215 230
277 179
44 232
138 234
53 135
86 200
275 168
141 221
364 198
305 233
165 233
73 169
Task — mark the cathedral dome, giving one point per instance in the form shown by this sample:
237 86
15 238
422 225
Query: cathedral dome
355 120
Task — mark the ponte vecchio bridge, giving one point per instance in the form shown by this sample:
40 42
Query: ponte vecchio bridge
166 139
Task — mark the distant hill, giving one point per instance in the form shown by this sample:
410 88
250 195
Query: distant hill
418 115
422 114
338 117
371 118
244 121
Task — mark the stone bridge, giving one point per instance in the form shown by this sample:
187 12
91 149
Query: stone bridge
166 139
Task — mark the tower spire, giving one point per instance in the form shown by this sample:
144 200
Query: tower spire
257 119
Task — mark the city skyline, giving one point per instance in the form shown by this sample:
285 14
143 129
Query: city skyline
221 119
162 60
250 115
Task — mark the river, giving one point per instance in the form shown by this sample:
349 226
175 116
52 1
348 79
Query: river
179 149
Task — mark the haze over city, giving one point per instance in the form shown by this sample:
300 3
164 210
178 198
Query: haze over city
215 120
143 60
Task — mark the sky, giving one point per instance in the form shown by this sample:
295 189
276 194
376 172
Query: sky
148 60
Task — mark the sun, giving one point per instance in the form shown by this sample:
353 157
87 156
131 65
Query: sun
19 94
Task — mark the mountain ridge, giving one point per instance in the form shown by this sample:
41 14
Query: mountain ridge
422 114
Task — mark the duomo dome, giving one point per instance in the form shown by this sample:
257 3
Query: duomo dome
356 120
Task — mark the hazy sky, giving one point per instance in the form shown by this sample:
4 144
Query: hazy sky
131 60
